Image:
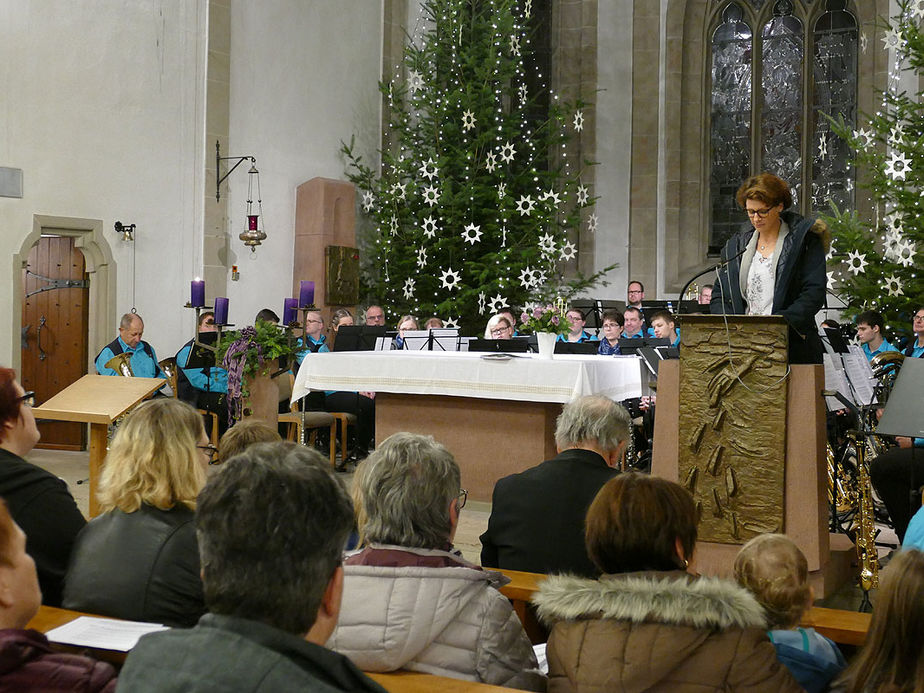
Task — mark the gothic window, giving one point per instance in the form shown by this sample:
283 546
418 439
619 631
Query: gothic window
776 68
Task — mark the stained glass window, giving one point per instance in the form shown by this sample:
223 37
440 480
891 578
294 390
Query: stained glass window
763 115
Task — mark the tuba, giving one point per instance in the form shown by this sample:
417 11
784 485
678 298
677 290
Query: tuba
121 364
169 367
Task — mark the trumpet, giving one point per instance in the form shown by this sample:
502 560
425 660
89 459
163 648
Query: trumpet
121 364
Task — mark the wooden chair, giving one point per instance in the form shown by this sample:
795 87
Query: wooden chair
311 420
345 420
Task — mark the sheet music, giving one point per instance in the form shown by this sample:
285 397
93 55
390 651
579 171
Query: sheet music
103 633
851 375
835 380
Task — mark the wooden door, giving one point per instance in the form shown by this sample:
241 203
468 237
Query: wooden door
55 311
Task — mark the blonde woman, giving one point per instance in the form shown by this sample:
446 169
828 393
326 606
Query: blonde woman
139 560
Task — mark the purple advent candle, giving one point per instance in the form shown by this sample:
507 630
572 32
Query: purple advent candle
197 293
221 311
306 294
289 311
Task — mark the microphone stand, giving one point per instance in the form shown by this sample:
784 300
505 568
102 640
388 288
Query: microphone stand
715 268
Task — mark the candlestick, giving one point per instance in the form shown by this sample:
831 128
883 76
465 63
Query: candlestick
306 294
197 293
221 310
289 310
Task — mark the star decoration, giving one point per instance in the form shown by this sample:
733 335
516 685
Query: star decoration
430 227
504 236
897 134
892 244
527 277
399 190
368 199
893 221
428 169
507 152
568 251
540 278
830 254
451 322
547 243
450 278
864 138
579 120
848 185
582 195
552 196
501 190
472 234
863 42
491 162
481 302
497 302
892 38
856 262
393 225
468 121
830 276
905 253
894 286
523 93
528 8
916 7
431 195
823 146
525 205
421 257
515 45
414 81
592 222
897 166
409 288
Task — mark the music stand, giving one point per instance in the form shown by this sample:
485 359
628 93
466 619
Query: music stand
359 337
590 311
578 348
509 346
631 345
904 413
200 356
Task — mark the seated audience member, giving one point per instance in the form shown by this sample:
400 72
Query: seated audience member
267 315
612 331
773 569
205 387
39 501
662 322
374 315
27 660
870 328
633 324
409 600
705 295
313 340
433 323
139 559
407 322
537 516
244 434
915 347
272 525
647 624
143 360
576 333
498 327
892 658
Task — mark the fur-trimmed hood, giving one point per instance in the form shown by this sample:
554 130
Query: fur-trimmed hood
667 598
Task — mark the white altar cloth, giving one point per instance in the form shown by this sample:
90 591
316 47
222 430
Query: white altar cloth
524 377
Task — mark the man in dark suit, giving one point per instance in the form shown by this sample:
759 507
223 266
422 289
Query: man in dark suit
537 516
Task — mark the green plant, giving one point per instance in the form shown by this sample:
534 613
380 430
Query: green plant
547 318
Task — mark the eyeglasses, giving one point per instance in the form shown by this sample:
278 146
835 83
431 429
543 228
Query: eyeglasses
498 331
462 497
918 317
760 213
211 451
635 291
27 398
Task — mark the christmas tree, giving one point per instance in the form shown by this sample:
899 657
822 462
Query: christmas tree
477 203
873 260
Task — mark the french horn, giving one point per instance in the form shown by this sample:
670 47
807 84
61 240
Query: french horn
170 369
121 364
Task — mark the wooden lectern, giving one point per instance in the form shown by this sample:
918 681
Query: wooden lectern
745 432
97 400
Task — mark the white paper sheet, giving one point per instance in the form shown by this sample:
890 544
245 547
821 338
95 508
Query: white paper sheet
102 633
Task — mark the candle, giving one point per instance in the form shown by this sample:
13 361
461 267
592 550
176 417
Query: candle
306 294
197 293
289 310
221 311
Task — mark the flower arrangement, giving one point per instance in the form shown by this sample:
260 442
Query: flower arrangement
547 318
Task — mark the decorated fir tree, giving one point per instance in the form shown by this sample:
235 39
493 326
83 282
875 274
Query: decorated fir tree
477 202
874 262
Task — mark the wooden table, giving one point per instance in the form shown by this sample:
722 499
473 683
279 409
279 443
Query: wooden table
97 400
50 617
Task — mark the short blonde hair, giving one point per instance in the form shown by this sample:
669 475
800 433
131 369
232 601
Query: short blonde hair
774 570
242 435
153 459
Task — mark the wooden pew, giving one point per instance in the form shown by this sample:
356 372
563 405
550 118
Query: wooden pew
413 682
844 627
49 617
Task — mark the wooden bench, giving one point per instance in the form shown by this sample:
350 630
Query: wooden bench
844 627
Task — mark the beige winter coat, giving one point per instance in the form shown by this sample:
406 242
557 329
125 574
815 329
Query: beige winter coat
661 632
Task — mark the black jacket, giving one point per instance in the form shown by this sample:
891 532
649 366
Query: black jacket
537 516
799 290
140 566
46 511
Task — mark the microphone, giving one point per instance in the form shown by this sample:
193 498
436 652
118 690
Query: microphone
715 268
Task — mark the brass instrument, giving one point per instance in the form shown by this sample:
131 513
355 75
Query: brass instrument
866 525
121 364
170 369
886 367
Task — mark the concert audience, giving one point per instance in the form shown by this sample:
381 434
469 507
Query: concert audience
139 559
244 434
774 570
647 624
892 658
39 502
612 331
537 516
272 525
27 660
410 601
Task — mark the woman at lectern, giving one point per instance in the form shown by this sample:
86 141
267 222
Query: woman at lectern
775 265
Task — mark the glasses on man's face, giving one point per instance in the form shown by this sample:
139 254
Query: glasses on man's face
919 317
760 213
462 497
634 291
211 451
27 398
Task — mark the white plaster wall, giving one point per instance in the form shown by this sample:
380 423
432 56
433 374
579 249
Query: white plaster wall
102 109
303 77
614 144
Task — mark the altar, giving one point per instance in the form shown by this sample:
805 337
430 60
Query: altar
495 413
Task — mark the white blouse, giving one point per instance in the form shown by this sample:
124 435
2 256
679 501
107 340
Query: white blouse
760 285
